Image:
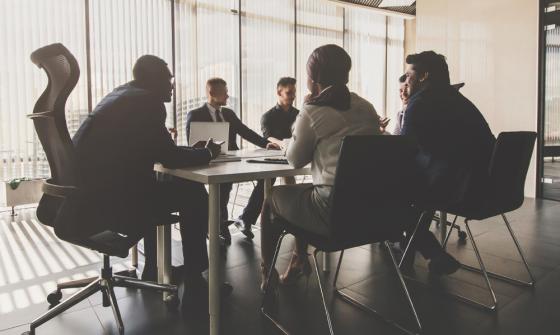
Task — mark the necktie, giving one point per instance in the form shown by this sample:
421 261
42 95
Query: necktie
218 116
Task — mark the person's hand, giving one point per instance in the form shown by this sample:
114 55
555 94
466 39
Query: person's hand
275 140
214 148
173 133
273 146
383 122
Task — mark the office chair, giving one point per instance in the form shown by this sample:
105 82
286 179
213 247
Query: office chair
505 193
50 124
370 202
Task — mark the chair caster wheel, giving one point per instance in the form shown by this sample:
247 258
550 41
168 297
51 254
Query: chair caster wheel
54 297
172 301
462 236
26 333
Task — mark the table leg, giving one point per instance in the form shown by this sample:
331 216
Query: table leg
214 271
442 225
164 255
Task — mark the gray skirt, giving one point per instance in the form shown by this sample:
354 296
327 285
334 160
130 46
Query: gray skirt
304 205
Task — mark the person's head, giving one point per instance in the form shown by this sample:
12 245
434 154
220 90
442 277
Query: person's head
217 92
403 92
286 91
425 68
151 73
327 65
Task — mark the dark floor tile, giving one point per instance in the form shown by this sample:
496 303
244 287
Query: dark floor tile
83 322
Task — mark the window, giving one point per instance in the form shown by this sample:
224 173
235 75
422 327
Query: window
318 23
249 43
207 45
267 46
25 26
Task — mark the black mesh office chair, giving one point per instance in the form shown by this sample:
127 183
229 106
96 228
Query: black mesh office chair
50 124
370 202
505 193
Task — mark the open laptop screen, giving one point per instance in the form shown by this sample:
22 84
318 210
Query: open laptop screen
202 131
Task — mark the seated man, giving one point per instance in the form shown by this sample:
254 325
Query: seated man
276 125
455 144
116 148
214 111
403 95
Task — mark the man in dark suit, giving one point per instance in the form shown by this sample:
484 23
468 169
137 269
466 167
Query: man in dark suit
455 144
276 125
214 111
116 148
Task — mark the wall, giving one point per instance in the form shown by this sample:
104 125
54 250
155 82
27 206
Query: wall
492 46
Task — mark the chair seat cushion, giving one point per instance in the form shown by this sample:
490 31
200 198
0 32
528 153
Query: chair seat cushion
332 243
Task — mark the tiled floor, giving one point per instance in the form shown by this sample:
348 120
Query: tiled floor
32 260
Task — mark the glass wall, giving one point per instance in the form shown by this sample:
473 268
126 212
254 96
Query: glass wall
318 23
267 49
26 25
249 43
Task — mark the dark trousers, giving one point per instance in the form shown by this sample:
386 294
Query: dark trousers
191 201
225 190
425 241
254 205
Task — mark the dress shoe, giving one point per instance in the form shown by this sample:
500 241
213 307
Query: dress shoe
244 228
443 264
225 236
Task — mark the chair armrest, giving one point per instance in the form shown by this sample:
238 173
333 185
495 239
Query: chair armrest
58 190
46 114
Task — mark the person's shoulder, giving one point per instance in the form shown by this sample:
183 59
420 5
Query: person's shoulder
358 101
227 110
270 113
129 95
197 110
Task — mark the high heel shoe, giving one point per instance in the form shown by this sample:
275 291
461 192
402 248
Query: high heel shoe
296 268
272 281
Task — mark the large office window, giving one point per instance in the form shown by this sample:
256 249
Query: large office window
395 66
249 43
206 46
267 47
120 32
26 25
318 23
365 41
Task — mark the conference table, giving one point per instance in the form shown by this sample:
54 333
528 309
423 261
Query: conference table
235 171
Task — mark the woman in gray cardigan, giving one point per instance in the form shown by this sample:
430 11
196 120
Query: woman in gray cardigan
330 112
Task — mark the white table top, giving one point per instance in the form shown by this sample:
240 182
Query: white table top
233 172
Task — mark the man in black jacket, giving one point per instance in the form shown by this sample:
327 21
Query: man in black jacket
455 145
276 125
116 148
214 111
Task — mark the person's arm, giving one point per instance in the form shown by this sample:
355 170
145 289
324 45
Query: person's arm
242 130
166 151
303 142
188 127
267 125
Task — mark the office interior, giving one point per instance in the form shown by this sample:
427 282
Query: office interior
506 52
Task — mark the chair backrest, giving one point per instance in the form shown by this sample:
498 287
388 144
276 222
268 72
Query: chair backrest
49 113
508 168
374 186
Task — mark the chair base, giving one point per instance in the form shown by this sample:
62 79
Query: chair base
105 284
343 295
482 270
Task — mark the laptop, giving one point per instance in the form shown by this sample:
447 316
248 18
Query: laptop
202 131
